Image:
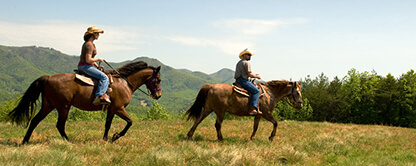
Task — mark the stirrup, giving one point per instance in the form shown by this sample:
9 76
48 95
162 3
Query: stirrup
99 101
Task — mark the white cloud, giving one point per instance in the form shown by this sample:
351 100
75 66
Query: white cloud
66 36
243 34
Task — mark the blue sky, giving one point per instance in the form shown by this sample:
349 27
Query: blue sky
290 39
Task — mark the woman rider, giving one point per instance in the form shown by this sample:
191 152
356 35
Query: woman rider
87 65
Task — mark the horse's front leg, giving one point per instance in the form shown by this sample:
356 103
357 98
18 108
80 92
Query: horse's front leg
123 115
255 127
270 118
108 121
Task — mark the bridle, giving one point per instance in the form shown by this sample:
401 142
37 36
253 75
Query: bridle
153 81
293 96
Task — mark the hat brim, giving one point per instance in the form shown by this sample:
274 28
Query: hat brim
98 31
241 55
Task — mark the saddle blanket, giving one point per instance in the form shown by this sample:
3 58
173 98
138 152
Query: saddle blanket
84 79
246 93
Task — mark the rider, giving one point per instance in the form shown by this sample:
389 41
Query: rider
87 65
242 73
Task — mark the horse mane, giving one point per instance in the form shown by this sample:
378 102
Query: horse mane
132 68
276 83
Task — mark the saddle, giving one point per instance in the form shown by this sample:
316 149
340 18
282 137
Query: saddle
240 90
85 78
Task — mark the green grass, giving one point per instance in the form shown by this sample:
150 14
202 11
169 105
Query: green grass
162 143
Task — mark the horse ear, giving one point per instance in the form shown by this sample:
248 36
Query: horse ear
157 69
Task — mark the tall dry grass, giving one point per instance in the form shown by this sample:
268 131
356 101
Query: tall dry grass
162 143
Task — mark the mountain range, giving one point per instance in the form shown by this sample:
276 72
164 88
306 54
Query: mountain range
20 66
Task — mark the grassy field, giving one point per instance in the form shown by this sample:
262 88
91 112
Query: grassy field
162 143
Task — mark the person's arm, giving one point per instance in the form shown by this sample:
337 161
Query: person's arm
250 74
88 57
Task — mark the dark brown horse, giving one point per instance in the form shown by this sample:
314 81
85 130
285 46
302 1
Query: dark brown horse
61 91
221 98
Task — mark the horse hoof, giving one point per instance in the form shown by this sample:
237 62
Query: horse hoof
271 139
115 137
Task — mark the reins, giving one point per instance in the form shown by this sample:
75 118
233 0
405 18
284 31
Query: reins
131 86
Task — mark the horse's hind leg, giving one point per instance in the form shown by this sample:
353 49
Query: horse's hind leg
62 117
123 115
218 122
255 127
205 113
44 111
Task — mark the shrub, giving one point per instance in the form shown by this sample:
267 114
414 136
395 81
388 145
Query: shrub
157 112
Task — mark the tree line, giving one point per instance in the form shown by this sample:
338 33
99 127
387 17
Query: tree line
359 97
363 98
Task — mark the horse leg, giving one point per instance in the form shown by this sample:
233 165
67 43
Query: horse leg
109 120
44 111
205 113
123 115
271 119
255 127
218 122
60 125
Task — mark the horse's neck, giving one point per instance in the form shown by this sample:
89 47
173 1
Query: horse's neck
139 78
279 91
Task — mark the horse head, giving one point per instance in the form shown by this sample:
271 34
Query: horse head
295 96
153 84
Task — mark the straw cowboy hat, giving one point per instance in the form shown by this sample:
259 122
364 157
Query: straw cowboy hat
245 52
92 30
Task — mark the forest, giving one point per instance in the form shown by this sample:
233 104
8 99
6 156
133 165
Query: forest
363 98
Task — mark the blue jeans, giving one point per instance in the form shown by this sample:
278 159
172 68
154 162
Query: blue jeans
94 72
255 93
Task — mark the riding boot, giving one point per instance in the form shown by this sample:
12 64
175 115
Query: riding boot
259 112
105 99
252 111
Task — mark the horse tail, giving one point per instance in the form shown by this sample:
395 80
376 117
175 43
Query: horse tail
22 114
195 111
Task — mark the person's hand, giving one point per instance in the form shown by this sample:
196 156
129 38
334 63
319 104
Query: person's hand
258 76
100 59
101 68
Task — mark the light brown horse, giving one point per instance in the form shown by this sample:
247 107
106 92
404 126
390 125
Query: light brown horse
221 98
61 91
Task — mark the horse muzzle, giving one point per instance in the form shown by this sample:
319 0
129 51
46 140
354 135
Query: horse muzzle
299 105
157 97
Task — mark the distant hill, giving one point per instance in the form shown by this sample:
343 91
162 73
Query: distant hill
20 66
225 75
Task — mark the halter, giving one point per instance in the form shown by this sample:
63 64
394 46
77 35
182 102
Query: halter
293 96
154 82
